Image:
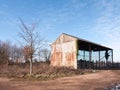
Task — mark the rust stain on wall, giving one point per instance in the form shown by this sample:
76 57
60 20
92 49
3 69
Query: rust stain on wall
70 57
56 59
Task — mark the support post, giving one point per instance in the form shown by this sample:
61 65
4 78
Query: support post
99 59
112 57
90 56
84 55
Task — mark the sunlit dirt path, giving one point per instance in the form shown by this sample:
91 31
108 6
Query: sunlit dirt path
81 82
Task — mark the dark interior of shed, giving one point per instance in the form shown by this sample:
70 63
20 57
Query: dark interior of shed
86 51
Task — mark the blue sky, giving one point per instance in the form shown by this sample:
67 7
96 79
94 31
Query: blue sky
94 20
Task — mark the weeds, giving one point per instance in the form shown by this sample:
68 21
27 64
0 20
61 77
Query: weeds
42 71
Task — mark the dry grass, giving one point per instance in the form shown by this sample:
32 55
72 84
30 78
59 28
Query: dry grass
41 71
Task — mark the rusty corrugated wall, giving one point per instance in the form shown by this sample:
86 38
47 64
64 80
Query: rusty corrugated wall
64 52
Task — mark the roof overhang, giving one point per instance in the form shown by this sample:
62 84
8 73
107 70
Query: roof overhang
84 44
87 45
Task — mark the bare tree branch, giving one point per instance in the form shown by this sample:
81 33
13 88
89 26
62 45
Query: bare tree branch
31 39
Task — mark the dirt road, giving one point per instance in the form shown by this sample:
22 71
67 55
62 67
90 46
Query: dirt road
82 82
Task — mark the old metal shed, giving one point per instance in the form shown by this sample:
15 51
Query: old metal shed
71 51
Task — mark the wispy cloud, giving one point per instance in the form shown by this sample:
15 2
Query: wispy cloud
52 17
69 9
6 17
108 25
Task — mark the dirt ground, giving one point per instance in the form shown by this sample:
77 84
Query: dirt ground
93 81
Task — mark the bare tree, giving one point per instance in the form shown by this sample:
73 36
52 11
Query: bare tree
27 53
15 54
45 54
9 53
30 38
4 52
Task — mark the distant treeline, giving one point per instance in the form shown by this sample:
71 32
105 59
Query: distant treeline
10 53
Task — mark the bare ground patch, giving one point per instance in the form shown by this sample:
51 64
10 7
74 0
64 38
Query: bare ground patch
94 81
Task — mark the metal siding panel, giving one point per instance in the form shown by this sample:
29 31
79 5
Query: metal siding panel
64 54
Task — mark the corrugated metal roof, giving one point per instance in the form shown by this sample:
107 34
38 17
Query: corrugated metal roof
89 42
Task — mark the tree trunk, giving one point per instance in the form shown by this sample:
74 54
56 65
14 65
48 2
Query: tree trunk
31 66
